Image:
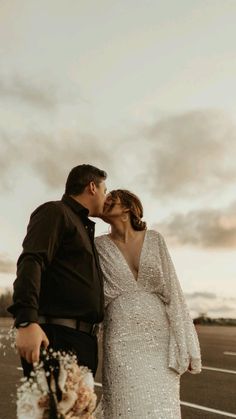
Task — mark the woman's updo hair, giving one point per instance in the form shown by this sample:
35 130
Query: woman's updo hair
130 201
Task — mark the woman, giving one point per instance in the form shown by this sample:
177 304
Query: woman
149 338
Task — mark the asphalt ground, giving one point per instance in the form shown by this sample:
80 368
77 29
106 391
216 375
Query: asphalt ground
209 395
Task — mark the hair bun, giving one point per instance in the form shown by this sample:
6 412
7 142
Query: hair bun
137 223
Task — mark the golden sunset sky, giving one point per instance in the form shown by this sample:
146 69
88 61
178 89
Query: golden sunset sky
143 89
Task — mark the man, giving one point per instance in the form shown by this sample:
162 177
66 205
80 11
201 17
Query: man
58 292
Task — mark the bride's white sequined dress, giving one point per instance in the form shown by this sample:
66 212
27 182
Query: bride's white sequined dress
148 335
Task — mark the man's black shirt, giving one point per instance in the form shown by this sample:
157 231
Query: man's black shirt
58 272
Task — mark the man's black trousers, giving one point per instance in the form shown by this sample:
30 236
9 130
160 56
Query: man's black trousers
62 338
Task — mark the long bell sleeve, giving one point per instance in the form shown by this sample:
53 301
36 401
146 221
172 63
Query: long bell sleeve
184 349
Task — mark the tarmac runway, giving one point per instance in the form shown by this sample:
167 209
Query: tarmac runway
209 395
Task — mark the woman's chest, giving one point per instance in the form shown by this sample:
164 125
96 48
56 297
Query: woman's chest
131 255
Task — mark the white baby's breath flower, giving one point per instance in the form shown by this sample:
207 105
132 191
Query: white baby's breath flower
42 381
88 380
75 382
27 407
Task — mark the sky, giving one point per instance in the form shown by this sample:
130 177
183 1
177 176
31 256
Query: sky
145 90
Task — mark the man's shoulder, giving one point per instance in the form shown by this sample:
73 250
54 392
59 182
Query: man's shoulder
50 206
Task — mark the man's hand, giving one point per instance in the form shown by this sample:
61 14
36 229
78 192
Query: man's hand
29 340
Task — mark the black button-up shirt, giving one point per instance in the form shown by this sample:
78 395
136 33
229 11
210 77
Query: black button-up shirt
58 272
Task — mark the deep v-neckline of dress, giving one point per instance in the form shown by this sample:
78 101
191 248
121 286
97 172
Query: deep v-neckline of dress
125 260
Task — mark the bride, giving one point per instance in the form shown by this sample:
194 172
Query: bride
149 339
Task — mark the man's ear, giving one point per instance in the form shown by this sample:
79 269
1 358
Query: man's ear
92 188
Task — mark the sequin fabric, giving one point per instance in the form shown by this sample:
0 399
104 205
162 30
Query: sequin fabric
148 335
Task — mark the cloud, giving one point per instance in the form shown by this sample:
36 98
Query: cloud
36 92
180 157
32 93
50 157
212 228
6 265
53 158
190 154
9 157
211 304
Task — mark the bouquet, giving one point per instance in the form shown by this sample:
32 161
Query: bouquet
58 388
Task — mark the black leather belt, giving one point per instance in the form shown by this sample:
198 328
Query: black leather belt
91 329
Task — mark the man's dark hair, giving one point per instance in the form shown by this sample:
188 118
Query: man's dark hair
80 176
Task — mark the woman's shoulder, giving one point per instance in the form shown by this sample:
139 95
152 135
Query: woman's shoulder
99 240
155 234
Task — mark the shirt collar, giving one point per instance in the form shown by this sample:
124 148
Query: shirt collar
75 205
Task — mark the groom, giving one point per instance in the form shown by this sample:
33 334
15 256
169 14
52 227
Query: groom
58 292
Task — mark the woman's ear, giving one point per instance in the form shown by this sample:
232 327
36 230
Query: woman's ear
125 217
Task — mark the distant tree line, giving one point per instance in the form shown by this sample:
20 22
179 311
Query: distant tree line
220 321
5 301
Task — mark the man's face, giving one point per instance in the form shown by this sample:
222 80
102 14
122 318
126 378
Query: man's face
101 191
113 209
